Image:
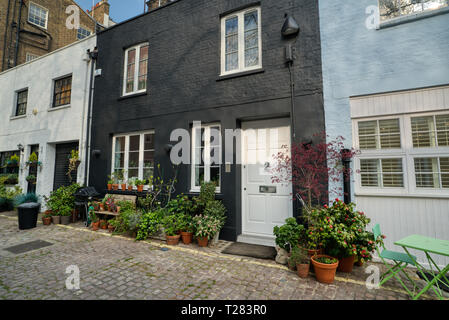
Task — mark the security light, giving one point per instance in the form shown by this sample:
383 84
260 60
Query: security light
290 27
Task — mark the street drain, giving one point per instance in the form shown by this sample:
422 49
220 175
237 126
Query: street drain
28 246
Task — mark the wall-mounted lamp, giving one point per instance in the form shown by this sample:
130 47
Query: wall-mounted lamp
96 153
20 147
290 27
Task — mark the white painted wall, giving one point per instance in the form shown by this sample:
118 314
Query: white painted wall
43 125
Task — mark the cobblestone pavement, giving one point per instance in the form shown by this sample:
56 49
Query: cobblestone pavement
120 268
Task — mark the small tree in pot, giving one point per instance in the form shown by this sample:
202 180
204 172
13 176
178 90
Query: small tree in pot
299 257
171 228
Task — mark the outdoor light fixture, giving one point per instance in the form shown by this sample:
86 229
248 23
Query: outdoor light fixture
290 27
96 152
20 147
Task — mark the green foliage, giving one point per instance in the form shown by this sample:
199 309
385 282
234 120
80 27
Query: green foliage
298 256
31 178
289 234
62 200
326 260
128 219
7 197
74 155
25 198
13 160
207 194
33 157
180 205
216 209
186 223
93 216
171 224
206 226
150 224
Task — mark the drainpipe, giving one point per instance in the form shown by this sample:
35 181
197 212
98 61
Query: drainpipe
93 55
6 34
346 159
16 53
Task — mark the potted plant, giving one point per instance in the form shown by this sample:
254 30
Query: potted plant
13 161
215 208
140 184
171 228
325 268
56 218
186 227
31 179
131 184
112 224
46 218
288 235
95 223
205 228
103 224
66 214
300 259
110 182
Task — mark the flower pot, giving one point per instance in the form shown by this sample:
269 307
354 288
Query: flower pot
46 221
109 186
115 187
111 228
325 273
346 264
313 252
123 186
102 221
117 209
303 270
130 188
95 226
65 220
74 215
172 240
104 226
140 188
101 207
187 237
56 219
202 241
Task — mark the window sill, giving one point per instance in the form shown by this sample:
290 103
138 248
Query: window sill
411 18
133 95
59 108
408 195
240 74
18 117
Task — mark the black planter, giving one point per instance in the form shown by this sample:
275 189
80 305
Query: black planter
28 213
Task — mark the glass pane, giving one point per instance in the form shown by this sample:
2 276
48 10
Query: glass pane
142 83
444 169
133 173
231 26
120 144
232 44
232 61
133 160
442 124
134 143
148 158
149 141
390 133
215 175
426 171
252 57
132 56
251 39
392 173
368 134
144 53
199 175
251 21
369 169
423 132
119 161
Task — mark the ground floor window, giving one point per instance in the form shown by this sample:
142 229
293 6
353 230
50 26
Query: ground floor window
206 155
133 155
9 166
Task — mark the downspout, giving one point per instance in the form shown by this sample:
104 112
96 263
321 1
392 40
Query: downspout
93 55
11 35
6 34
346 159
16 53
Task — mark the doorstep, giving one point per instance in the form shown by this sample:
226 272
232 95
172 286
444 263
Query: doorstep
257 239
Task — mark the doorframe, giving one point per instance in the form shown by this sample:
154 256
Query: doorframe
248 237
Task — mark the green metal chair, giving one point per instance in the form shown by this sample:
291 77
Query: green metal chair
400 260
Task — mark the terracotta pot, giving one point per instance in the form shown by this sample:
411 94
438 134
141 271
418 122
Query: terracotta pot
46 221
48 213
56 219
325 273
95 226
65 220
346 264
303 270
140 188
101 207
123 186
202 241
111 228
130 188
187 237
313 252
109 186
115 187
104 226
101 221
172 240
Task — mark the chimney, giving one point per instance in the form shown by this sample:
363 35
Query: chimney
154 4
100 12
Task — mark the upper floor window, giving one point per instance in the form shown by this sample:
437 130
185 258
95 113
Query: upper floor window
62 91
30 57
37 15
241 41
136 69
390 9
379 134
430 131
82 33
21 106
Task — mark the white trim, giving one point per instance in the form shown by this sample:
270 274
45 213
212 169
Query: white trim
46 15
206 160
136 69
241 41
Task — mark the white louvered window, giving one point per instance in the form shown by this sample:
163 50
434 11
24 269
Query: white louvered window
379 134
386 173
430 131
432 173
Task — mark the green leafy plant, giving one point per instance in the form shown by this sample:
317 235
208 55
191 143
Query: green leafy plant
171 225
31 178
298 256
62 200
150 224
206 226
32 157
186 223
13 160
289 234
93 216
207 194
25 198
326 260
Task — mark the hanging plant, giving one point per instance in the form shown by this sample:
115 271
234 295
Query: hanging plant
74 162
33 160
31 179
13 161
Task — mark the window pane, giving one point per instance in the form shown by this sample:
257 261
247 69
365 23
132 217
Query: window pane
251 57
62 91
390 136
442 124
199 175
130 70
232 26
232 47
134 143
133 173
368 134
120 144
232 44
143 68
22 98
149 142
423 132
369 169
392 173
37 15
444 169
232 61
215 175
426 171
251 39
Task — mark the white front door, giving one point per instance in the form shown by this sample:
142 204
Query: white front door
264 204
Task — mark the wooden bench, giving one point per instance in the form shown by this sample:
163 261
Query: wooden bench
117 197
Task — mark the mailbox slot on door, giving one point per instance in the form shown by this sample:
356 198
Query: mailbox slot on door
267 189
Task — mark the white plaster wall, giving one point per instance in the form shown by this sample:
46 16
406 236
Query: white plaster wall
43 125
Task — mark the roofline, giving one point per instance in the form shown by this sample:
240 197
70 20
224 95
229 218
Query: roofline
48 54
139 16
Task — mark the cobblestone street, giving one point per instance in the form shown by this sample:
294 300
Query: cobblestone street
120 268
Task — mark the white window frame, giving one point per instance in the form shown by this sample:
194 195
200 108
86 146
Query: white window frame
241 41
408 153
207 165
126 155
41 7
407 15
136 69
85 29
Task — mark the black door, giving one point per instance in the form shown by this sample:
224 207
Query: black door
63 152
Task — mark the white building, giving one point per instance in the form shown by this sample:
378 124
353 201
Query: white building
44 107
